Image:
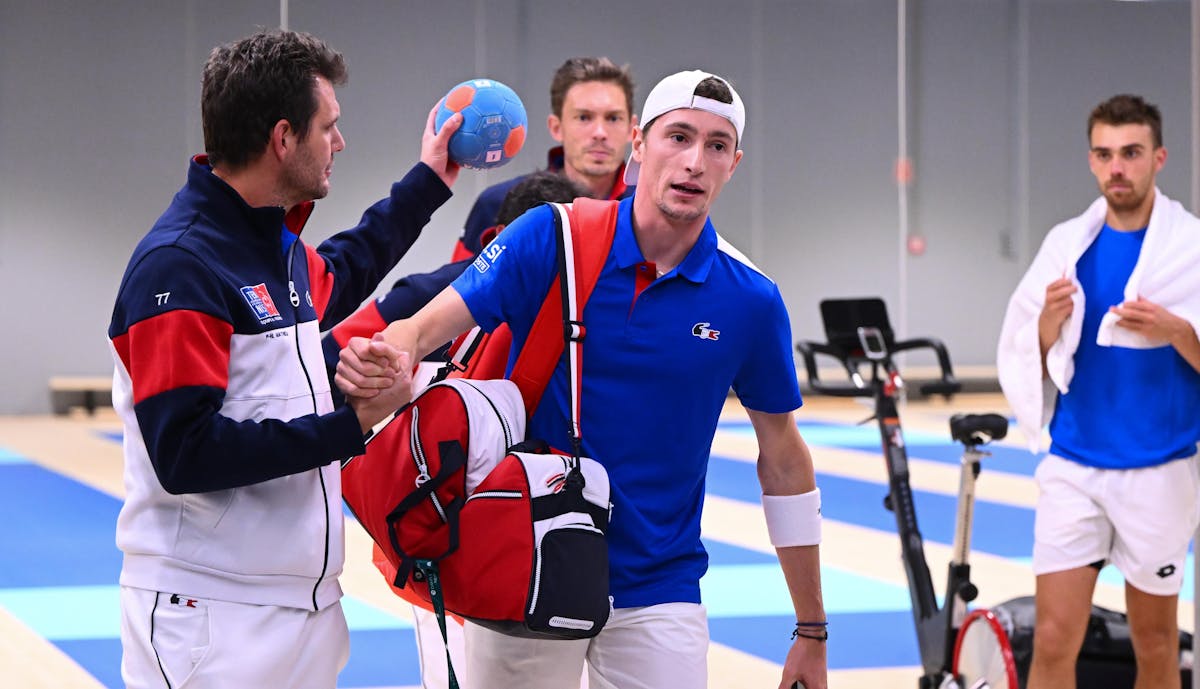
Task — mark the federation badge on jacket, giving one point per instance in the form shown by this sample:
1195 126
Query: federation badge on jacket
261 303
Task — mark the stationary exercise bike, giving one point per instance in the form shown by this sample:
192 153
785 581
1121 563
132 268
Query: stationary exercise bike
958 649
981 648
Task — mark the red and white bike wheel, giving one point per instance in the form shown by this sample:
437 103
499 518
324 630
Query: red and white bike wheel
982 655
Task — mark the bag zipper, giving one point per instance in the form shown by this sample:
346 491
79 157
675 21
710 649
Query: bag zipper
418 453
497 494
508 436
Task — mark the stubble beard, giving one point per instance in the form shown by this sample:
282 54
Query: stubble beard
1126 201
304 181
686 214
595 171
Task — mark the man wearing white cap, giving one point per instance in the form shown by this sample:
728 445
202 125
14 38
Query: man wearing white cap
677 318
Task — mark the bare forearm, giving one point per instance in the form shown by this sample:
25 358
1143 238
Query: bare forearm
802 571
785 468
787 473
438 322
1188 346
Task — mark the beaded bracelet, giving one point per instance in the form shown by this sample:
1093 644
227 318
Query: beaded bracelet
810 628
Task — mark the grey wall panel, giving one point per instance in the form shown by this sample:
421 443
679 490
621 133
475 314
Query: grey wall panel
1082 53
962 152
827 136
99 112
94 111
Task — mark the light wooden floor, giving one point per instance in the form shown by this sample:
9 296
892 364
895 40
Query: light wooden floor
71 446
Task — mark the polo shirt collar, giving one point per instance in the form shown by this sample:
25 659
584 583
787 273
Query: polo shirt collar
695 265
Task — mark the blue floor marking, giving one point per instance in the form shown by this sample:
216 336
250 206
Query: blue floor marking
381 658
919 445
10 457
865 436
856 640
67 613
60 579
43 583
999 529
81 613
760 590
101 658
730 554
362 616
377 658
67 530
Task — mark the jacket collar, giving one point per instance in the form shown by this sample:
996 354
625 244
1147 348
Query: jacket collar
224 199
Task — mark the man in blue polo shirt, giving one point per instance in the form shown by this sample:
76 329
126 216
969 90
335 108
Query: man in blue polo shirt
677 318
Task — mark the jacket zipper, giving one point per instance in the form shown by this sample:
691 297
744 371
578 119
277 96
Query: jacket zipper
294 298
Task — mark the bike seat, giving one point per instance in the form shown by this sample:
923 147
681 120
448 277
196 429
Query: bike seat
978 429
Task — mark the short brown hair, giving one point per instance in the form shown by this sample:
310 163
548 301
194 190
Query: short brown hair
251 84
1127 109
577 70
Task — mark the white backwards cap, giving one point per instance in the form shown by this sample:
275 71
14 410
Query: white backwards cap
679 91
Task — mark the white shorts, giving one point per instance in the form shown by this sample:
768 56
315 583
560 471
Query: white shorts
655 647
1139 519
208 644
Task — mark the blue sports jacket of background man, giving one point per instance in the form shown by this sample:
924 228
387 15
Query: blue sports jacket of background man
231 440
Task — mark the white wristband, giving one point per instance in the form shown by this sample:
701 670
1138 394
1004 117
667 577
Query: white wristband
793 519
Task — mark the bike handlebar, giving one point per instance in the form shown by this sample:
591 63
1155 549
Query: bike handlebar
857 387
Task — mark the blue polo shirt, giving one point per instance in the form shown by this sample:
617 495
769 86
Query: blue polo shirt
1126 408
659 359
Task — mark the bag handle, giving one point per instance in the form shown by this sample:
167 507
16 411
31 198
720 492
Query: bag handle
454 458
573 328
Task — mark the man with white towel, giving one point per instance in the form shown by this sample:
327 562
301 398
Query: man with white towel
1100 340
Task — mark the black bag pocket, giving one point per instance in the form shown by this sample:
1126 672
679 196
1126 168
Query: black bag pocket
568 597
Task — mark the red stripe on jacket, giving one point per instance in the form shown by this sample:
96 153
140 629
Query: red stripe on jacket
174 350
320 280
364 322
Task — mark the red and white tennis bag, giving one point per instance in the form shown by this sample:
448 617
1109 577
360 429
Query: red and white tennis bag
519 542
516 533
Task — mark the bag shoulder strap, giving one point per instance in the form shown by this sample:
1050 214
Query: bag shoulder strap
593 225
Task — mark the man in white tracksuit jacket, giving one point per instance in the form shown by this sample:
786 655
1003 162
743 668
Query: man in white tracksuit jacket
1100 340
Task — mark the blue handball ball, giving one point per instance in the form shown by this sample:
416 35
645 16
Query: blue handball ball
494 123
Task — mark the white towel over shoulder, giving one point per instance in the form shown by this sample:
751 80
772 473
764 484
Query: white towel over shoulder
1167 273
